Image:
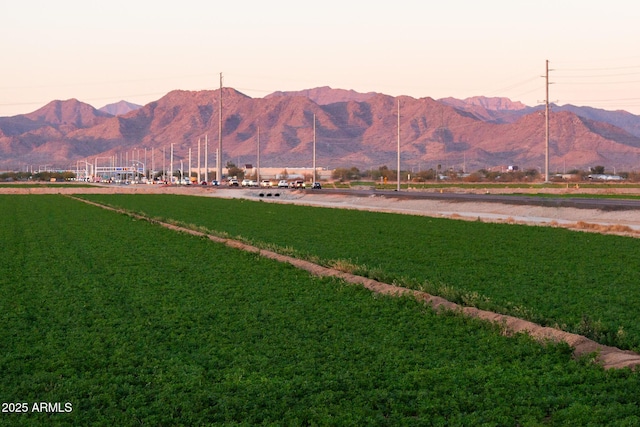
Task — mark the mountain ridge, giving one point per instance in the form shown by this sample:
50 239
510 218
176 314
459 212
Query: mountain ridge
352 129
119 108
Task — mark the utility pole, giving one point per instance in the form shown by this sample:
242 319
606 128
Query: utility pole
398 189
546 125
206 157
219 154
171 163
258 159
314 150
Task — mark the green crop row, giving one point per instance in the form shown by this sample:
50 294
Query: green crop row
134 324
582 282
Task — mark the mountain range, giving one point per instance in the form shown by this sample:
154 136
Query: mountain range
119 108
351 129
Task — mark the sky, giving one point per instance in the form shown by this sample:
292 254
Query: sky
139 50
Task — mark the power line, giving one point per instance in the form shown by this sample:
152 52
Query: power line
598 83
600 75
515 85
602 68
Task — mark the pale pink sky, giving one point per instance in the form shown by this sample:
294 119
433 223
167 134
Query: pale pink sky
102 52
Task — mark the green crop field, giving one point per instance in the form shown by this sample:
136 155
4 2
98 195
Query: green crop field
582 282
44 185
108 320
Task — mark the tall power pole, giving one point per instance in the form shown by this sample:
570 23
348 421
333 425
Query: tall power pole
206 157
398 189
219 153
314 150
258 158
199 168
171 165
546 124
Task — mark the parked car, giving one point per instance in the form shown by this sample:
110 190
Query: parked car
265 183
246 183
283 184
233 182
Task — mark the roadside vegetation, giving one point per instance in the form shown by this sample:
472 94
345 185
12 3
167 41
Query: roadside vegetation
37 176
584 283
133 324
512 174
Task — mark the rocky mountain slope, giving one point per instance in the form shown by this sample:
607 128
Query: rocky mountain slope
119 108
351 130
